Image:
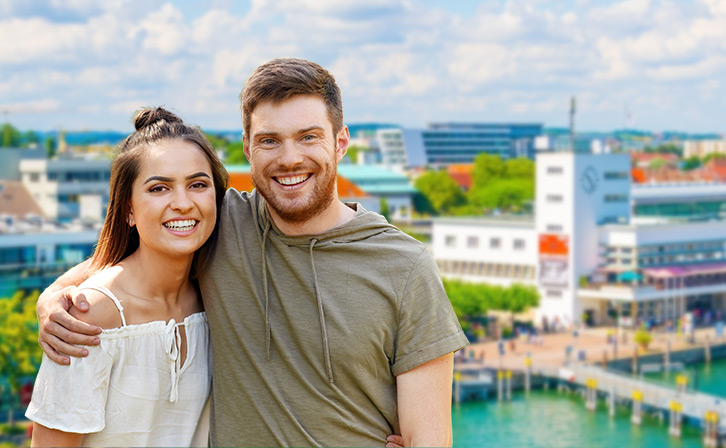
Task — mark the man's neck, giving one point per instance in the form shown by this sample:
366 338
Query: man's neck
335 215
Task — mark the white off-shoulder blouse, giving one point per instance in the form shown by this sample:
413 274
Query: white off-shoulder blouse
131 390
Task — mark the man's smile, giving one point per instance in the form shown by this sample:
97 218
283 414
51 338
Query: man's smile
292 180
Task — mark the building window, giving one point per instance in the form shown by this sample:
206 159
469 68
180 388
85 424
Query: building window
472 242
615 175
494 243
34 177
554 198
554 170
450 240
518 244
616 198
553 293
554 228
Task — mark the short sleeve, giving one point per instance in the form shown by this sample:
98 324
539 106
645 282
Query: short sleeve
428 327
72 398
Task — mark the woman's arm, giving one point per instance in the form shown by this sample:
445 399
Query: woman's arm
47 437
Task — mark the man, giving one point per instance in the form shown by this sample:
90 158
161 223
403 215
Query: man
329 326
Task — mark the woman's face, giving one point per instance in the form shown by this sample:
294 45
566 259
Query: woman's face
172 199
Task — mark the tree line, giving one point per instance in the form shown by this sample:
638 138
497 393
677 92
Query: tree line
497 185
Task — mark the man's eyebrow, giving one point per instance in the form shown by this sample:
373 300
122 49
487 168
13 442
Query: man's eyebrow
264 133
169 179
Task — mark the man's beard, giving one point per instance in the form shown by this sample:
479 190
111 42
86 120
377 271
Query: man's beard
300 210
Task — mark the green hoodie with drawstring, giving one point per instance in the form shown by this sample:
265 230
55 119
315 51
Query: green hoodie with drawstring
309 332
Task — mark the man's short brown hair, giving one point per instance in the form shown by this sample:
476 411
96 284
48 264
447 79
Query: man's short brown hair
285 78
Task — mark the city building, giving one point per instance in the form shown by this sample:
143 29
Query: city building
702 148
599 249
382 184
442 144
34 251
68 189
10 160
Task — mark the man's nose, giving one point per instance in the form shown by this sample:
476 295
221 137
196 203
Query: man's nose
291 154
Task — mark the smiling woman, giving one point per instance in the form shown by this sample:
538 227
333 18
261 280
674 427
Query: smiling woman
147 382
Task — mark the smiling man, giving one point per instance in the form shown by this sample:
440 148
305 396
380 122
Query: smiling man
329 326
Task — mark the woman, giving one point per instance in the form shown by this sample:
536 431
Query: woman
146 384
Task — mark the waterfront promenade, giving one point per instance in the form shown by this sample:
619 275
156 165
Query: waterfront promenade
590 345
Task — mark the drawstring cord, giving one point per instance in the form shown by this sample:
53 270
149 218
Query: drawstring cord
321 315
268 329
172 344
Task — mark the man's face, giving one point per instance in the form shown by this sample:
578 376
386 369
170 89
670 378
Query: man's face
293 155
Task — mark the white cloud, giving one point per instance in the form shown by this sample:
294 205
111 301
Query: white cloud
396 60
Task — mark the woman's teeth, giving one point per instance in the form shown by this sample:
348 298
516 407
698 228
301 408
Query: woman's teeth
187 224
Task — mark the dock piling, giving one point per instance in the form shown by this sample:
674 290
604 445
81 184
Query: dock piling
676 418
637 417
710 433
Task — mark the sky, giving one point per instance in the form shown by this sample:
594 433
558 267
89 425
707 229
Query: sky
649 64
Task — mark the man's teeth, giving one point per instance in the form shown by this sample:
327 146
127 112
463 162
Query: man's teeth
187 224
292 180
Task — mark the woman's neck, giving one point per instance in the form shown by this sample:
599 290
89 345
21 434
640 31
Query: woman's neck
157 275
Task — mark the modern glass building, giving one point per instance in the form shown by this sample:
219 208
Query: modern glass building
442 144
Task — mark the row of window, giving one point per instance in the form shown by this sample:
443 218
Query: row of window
472 242
616 198
63 253
607 175
482 269
681 247
79 176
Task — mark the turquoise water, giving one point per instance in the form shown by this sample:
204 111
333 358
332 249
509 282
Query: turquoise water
552 419
707 378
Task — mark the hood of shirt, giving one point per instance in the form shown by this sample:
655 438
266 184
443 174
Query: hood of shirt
363 226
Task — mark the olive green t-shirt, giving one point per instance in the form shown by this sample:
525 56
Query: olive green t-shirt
309 332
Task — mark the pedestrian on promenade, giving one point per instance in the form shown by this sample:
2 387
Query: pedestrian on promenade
313 304
148 380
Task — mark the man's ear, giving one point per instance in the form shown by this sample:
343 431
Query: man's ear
342 141
246 147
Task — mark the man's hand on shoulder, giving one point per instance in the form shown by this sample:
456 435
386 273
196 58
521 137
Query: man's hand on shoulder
59 331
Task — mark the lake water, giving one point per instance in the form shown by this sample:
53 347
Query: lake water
552 419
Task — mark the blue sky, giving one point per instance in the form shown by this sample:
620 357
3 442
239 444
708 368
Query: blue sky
87 64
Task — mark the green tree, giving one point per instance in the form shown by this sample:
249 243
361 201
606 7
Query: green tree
235 154
20 354
504 185
441 191
691 163
504 194
385 209
472 300
486 169
354 150
218 143
11 136
657 163
519 168
714 155
31 137
50 147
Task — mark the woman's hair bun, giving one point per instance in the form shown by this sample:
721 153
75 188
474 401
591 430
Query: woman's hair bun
149 116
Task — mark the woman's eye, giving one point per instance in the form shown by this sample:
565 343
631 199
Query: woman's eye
198 185
157 188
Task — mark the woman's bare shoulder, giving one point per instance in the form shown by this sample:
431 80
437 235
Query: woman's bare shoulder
102 310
